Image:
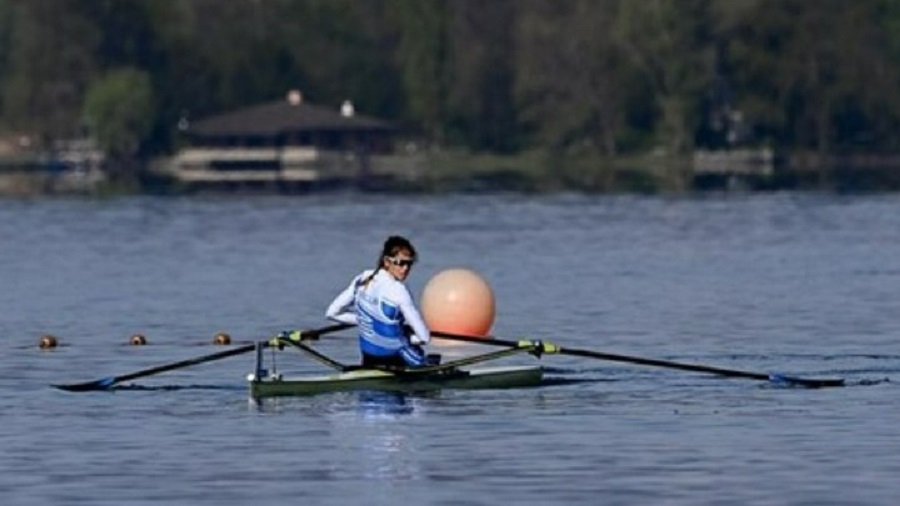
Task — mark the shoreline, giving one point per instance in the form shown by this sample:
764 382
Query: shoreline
528 173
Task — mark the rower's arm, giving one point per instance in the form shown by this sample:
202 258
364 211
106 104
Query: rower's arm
341 308
413 317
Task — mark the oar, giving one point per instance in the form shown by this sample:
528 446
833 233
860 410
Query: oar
105 383
731 373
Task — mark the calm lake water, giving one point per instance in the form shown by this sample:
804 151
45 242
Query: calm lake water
806 284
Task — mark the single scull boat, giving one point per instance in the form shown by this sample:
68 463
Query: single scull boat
452 375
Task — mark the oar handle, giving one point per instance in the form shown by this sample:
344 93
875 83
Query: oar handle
297 336
474 339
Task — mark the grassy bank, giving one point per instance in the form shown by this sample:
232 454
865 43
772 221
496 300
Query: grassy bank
536 172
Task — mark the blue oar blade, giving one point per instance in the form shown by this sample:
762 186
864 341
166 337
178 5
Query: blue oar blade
106 382
783 379
100 384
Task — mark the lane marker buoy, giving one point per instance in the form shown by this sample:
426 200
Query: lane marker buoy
48 341
222 339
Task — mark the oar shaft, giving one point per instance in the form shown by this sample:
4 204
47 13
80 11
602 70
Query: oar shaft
186 363
734 373
107 382
613 357
309 334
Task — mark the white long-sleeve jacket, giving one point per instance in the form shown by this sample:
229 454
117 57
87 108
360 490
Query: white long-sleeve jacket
379 309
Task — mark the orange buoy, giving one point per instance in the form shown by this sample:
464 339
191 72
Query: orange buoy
138 340
222 339
458 301
48 341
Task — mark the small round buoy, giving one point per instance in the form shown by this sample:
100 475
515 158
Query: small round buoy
458 301
138 340
222 339
48 341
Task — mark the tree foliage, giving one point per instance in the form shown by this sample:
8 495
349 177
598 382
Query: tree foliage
603 77
51 61
119 110
587 109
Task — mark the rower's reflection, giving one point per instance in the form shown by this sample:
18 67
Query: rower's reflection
368 403
384 403
368 434
384 446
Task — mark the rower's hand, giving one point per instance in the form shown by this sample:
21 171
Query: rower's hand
291 335
411 335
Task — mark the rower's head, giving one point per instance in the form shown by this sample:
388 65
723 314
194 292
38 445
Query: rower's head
397 257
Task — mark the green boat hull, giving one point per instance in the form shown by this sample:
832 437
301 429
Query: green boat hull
377 380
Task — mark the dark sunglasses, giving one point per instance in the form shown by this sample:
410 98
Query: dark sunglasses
401 262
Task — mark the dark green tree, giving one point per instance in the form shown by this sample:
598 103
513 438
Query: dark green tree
53 60
120 111
481 105
818 78
670 42
571 80
425 61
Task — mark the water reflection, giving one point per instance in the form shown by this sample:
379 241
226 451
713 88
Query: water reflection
375 404
386 448
371 434
366 403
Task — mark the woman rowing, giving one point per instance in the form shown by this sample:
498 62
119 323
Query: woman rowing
380 305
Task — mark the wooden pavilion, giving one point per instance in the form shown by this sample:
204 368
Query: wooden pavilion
286 145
